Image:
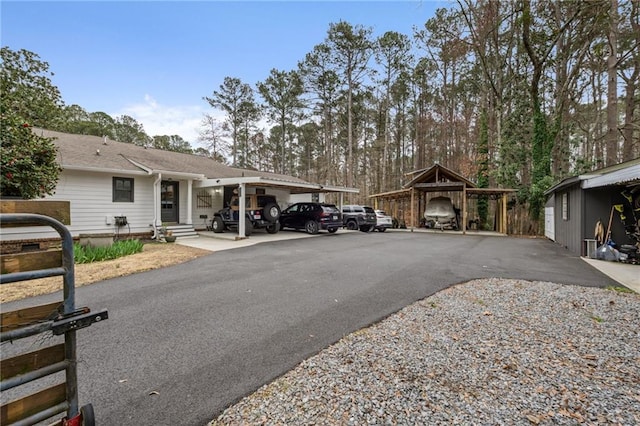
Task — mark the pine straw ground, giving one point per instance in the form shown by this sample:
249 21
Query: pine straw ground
153 256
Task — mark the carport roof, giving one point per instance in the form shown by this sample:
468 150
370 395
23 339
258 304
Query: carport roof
438 178
294 186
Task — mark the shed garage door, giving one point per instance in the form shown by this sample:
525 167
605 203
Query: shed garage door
549 228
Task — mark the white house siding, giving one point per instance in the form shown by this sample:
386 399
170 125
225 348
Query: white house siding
216 204
92 208
304 198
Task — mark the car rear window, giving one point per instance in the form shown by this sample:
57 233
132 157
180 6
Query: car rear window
368 210
330 209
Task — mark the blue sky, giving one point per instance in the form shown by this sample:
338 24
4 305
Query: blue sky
156 60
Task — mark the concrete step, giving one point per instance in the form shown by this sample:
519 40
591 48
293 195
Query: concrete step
183 231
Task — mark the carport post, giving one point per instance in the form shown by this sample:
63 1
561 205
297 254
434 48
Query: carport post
464 209
412 202
242 211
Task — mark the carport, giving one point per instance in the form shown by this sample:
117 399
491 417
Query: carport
440 179
269 180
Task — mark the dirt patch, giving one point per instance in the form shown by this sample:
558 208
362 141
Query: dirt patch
153 256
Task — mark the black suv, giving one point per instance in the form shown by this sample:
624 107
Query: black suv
359 217
262 211
311 217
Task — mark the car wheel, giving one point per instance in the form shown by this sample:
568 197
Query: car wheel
248 228
311 227
271 212
365 228
273 228
382 229
332 230
352 225
217 225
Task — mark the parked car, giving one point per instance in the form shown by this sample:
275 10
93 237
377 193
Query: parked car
311 217
262 211
383 221
440 213
359 217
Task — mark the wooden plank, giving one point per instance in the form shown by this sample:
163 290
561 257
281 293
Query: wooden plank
28 316
30 261
33 404
31 361
60 210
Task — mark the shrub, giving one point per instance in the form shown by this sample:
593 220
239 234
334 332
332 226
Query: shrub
121 248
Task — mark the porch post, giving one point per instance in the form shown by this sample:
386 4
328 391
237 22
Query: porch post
504 213
412 202
464 209
242 211
189 202
157 212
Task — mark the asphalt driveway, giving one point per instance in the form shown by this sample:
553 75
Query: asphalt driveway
184 342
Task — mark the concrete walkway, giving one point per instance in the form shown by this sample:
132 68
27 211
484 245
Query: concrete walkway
626 274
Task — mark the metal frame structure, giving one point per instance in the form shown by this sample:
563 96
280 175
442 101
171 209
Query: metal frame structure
58 318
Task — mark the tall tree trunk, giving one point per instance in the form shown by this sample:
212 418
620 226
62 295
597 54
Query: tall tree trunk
612 88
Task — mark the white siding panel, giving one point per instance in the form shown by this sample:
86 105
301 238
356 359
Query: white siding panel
92 208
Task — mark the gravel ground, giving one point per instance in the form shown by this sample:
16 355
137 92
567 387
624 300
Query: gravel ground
491 351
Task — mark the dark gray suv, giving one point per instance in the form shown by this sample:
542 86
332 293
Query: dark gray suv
359 217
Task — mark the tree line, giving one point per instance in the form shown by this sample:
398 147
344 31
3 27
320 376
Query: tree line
517 94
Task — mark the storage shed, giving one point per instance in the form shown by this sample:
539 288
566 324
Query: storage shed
609 196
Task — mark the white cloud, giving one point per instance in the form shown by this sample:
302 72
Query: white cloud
157 119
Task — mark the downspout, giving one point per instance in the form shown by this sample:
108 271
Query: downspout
156 204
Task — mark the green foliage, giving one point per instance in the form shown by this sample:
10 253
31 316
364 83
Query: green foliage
27 91
619 289
28 161
537 198
120 248
483 168
236 99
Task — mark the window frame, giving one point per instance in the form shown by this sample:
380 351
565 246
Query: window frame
565 206
117 194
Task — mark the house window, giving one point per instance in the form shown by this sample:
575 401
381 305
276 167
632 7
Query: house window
122 190
565 206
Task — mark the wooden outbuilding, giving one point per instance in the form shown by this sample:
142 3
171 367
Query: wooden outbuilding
408 203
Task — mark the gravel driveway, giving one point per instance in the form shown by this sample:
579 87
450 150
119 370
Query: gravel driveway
489 351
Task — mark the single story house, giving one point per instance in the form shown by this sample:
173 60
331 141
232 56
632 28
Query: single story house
607 199
121 188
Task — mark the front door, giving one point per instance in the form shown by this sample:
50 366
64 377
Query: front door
169 201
